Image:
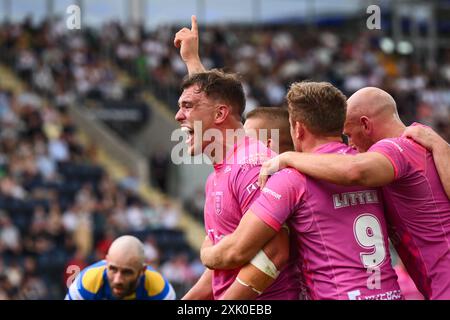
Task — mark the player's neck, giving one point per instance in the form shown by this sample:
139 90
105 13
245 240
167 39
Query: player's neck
232 134
390 129
309 145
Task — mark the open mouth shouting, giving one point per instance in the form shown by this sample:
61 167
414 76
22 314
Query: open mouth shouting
190 133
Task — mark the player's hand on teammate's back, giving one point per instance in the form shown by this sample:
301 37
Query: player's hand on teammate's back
270 167
424 136
187 41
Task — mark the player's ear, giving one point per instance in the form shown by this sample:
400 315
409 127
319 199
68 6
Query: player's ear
366 125
299 130
222 112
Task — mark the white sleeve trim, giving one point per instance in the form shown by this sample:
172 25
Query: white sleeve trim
74 292
171 295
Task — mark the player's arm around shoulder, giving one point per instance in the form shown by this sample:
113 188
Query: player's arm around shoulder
259 224
238 248
440 149
370 169
342 169
441 156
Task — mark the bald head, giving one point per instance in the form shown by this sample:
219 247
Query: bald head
373 103
371 116
127 251
125 262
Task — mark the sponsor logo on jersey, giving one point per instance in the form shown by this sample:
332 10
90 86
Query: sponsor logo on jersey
272 193
254 186
218 202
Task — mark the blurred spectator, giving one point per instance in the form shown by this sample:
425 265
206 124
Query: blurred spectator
103 245
197 268
10 188
135 216
195 204
179 272
151 251
170 214
159 166
9 235
130 182
32 288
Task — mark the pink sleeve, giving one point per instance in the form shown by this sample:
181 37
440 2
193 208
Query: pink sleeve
280 198
394 152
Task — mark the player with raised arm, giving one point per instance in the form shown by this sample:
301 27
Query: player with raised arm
418 209
216 100
340 232
187 40
262 118
123 275
266 118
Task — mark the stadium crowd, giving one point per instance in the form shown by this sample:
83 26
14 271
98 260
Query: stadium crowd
69 65
269 59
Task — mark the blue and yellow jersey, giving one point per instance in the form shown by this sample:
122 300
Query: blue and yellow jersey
92 284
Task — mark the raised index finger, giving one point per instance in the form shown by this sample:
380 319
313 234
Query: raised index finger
194 26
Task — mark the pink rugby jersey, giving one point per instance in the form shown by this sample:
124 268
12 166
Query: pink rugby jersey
418 215
341 233
230 190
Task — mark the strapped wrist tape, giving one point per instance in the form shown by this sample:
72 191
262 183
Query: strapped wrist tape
263 263
247 285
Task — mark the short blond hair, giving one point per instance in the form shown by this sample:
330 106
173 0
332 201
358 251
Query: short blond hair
319 105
